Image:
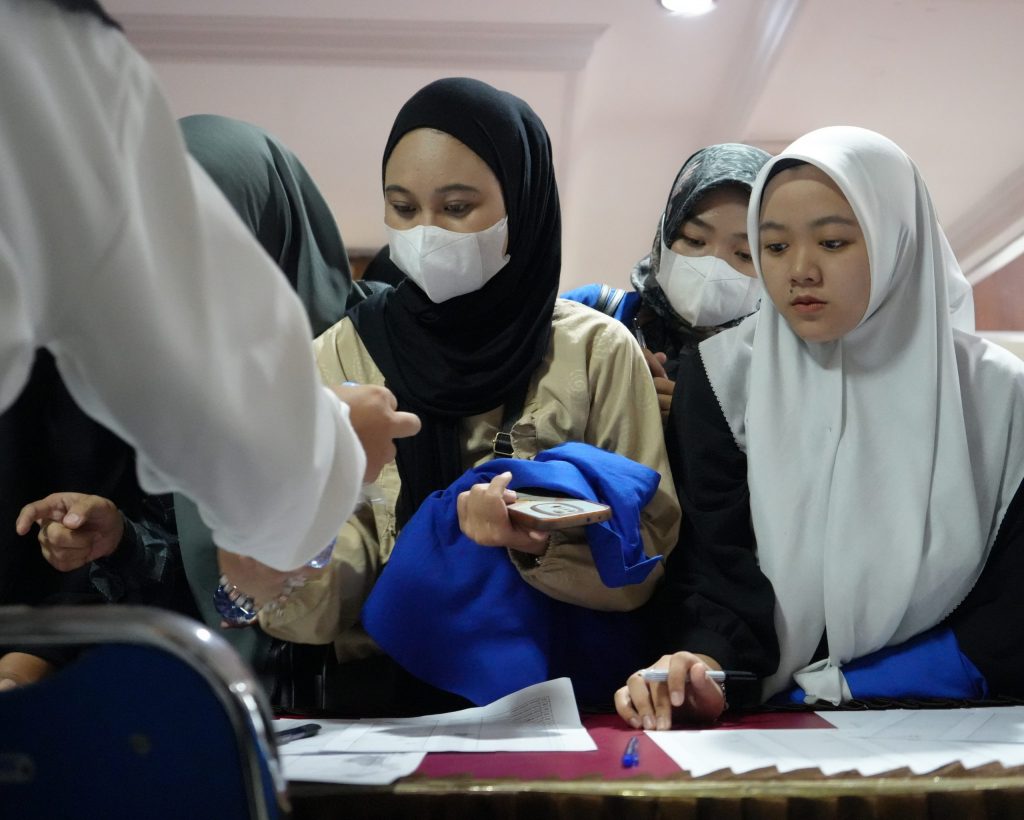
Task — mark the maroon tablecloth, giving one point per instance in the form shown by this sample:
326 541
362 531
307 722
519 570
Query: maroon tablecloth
595 785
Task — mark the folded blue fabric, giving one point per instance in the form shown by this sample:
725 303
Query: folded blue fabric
929 665
459 616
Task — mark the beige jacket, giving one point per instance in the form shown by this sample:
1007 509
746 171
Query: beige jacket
592 386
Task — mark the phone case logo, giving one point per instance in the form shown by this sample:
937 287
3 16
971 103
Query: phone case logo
555 508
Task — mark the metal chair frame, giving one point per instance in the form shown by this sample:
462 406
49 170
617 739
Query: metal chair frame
207 653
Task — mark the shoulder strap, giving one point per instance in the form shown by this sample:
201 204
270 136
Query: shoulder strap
609 299
512 411
616 300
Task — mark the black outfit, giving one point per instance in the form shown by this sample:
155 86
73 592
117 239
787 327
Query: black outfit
50 445
472 353
716 601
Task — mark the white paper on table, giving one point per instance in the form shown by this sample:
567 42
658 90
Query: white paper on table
744 750
539 718
358 769
831 751
994 724
862 722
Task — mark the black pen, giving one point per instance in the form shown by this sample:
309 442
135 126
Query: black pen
638 332
296 733
717 675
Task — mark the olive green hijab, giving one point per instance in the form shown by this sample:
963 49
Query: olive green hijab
279 202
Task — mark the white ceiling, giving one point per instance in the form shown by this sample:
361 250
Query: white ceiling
627 92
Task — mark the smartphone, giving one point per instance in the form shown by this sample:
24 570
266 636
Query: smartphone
539 512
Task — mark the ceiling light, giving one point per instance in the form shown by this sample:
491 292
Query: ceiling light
690 8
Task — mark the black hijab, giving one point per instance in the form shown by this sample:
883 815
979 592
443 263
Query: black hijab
378 269
279 202
469 354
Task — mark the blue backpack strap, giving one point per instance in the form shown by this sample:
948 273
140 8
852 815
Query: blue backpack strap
613 305
609 299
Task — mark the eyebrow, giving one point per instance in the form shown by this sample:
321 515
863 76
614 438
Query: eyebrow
455 187
700 223
833 219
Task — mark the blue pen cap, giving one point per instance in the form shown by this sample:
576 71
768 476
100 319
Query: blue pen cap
631 757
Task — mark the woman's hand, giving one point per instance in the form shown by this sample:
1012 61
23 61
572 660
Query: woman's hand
74 528
483 517
263 584
663 385
689 694
374 415
21 669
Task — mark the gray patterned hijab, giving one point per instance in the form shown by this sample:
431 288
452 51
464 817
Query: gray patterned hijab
710 168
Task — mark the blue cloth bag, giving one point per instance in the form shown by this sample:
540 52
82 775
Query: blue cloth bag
929 665
460 617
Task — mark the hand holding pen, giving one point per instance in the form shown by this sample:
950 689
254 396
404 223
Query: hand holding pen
663 385
687 693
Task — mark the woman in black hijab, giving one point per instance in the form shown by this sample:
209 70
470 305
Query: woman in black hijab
475 342
471 353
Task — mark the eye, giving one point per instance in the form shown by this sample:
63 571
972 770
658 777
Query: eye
776 247
834 244
457 208
692 241
745 256
403 208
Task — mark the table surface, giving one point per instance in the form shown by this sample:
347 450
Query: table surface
989 791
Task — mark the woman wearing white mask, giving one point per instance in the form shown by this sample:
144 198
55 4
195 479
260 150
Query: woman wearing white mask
476 341
699 276
849 459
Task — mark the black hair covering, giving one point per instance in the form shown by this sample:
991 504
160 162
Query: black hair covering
469 354
88 6
378 270
279 202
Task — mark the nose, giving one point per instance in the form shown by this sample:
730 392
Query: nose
805 270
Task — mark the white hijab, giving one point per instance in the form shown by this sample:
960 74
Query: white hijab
880 465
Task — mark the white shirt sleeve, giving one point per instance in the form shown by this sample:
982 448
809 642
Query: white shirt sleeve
169 323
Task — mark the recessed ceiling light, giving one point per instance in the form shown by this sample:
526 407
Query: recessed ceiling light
690 8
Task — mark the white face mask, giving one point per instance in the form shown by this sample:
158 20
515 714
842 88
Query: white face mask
446 264
705 290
